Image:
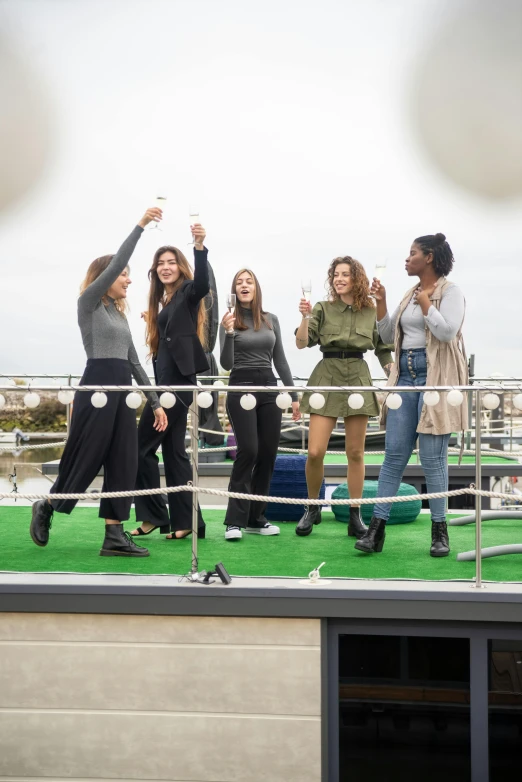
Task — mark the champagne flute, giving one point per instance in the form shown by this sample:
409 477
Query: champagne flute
380 270
231 302
306 287
194 217
160 203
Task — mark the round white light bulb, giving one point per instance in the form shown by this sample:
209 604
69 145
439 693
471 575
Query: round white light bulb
316 401
167 400
65 397
517 401
31 400
3 402
133 400
431 398
283 400
356 401
247 401
455 397
491 401
218 384
99 399
205 399
393 401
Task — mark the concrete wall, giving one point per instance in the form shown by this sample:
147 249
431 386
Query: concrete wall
159 698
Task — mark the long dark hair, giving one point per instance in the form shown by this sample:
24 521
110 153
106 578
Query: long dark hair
258 313
158 298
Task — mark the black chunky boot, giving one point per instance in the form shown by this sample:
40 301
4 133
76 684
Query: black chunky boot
42 514
118 543
312 515
439 539
356 526
373 541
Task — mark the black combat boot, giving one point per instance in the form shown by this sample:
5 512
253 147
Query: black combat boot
439 539
312 515
118 543
42 514
356 526
373 541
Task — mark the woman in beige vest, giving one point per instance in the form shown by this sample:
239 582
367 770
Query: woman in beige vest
426 330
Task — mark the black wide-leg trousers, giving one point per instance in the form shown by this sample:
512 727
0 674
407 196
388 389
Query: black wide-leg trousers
178 469
257 434
100 437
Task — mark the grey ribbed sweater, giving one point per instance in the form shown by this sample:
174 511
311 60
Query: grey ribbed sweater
252 349
105 331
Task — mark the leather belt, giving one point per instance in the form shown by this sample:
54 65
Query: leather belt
342 354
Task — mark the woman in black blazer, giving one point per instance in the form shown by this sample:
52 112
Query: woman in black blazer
175 332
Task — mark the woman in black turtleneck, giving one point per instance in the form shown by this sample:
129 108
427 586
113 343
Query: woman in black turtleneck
250 341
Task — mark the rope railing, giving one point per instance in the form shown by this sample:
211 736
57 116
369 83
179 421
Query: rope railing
190 487
487 387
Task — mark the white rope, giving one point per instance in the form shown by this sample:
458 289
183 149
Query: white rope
259 497
15 447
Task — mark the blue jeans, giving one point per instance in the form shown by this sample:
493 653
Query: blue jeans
401 434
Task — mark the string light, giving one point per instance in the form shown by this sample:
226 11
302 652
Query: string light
99 399
205 399
167 400
317 401
248 401
283 400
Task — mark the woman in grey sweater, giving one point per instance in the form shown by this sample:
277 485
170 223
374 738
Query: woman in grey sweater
104 436
250 340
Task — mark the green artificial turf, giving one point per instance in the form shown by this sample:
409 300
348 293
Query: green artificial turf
75 542
376 458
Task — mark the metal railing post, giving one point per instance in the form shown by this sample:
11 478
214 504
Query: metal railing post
68 411
194 441
478 499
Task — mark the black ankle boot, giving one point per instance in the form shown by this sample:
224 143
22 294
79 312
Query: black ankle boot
373 541
118 543
439 539
312 515
356 526
42 514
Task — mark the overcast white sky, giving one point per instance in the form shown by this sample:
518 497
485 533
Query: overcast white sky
288 123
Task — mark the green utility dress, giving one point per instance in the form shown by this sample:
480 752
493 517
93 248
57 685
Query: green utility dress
336 326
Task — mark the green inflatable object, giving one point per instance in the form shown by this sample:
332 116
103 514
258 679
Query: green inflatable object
401 512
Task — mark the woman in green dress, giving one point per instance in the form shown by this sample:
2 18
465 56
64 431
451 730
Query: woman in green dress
345 328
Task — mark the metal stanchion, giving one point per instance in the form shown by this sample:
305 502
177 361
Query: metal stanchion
194 442
478 500
68 412
303 432
511 423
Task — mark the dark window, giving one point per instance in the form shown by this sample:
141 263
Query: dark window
404 709
505 710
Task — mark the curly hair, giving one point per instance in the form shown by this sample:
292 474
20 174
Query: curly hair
360 283
436 244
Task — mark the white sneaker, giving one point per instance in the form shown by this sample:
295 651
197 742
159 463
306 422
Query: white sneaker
266 529
233 533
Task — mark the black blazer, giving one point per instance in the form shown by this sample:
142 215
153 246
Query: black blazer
181 336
